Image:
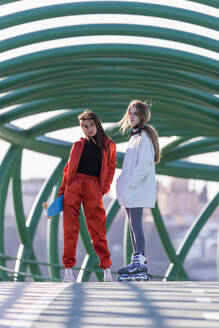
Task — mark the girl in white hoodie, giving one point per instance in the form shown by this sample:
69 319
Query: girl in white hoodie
136 185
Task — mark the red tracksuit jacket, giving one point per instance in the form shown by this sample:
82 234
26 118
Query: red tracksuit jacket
108 165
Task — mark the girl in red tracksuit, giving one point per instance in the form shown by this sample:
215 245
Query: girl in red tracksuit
87 176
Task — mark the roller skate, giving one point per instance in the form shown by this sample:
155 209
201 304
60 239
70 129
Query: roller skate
136 270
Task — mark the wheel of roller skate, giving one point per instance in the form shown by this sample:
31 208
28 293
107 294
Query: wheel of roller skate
147 277
119 278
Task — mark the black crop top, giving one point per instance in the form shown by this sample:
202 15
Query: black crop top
91 158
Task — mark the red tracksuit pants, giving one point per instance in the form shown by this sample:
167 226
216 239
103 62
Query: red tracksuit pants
84 189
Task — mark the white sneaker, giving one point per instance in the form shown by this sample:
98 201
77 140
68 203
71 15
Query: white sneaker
69 277
107 275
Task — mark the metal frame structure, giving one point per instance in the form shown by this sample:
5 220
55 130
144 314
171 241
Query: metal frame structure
105 77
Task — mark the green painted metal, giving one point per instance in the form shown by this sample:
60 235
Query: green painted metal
5 174
166 241
111 74
47 90
187 170
109 7
25 252
105 77
162 106
212 3
193 148
192 235
5 2
24 235
52 234
183 60
171 145
109 29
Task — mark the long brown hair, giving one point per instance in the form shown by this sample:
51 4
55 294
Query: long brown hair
144 115
101 136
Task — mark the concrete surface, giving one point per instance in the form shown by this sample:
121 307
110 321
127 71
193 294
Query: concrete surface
111 305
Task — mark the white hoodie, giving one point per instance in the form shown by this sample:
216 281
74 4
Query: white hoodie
136 185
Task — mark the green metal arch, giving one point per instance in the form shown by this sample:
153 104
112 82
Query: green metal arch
212 3
109 29
109 7
104 77
47 90
185 60
196 81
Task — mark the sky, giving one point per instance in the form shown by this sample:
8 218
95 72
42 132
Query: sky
43 164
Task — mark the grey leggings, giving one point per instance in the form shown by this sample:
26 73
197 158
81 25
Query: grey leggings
136 229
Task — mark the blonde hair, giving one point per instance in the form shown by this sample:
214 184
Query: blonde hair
144 114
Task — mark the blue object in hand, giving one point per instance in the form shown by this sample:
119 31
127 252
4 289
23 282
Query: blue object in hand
56 206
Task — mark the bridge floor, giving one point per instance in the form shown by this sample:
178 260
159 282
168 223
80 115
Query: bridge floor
111 305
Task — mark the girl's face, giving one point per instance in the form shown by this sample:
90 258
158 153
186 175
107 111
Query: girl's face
89 128
133 116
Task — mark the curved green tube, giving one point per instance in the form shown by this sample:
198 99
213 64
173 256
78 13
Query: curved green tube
52 233
184 60
115 74
212 3
109 7
165 239
99 105
6 170
109 29
181 87
34 216
193 148
24 235
48 90
192 235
